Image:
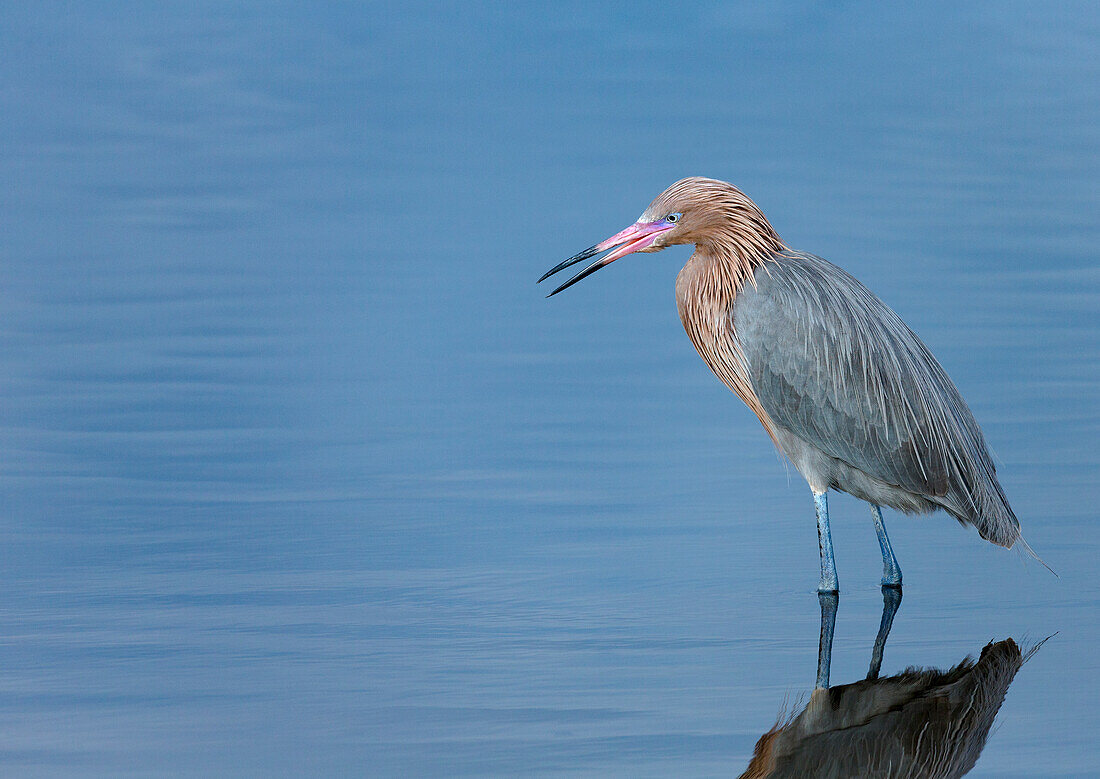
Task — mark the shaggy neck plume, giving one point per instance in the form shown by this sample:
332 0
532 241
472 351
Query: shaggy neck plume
726 257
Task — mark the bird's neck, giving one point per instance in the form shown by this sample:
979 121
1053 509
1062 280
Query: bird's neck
715 274
729 252
742 236
705 291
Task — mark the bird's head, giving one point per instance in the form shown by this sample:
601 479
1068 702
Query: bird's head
693 210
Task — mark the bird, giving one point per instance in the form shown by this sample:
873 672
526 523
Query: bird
842 386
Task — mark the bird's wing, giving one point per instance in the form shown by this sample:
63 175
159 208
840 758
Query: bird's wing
834 365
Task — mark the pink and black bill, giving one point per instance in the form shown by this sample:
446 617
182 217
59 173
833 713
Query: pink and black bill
638 236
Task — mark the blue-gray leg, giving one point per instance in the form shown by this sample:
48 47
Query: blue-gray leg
825 544
829 601
891 599
891 571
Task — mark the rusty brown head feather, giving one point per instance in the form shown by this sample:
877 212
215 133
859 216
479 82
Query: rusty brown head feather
714 215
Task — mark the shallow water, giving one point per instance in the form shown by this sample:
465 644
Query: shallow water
302 474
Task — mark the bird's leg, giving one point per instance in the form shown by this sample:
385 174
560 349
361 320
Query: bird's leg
829 601
891 571
891 599
825 544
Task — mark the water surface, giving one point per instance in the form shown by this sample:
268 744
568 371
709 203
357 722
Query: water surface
301 473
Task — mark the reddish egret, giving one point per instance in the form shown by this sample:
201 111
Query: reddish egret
842 386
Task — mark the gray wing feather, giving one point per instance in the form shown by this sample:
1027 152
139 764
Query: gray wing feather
835 366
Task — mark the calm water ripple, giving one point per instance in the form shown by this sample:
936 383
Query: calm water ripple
302 475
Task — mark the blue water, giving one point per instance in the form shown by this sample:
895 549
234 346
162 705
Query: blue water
301 473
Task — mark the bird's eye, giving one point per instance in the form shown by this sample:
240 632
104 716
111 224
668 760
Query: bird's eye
673 218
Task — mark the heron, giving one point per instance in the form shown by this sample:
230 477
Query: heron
842 386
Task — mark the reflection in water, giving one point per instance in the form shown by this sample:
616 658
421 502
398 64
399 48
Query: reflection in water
919 723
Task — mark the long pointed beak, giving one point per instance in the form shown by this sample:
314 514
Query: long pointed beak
634 238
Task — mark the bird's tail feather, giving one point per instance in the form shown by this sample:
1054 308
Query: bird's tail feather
1031 552
988 511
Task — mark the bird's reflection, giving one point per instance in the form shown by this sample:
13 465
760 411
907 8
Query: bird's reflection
919 723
